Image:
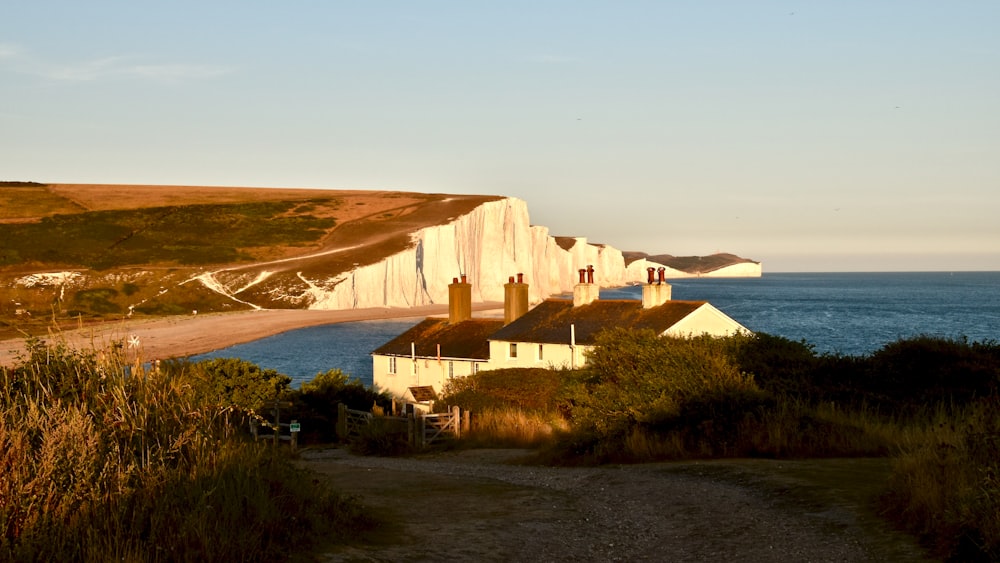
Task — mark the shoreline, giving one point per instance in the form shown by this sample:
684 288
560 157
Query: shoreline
181 336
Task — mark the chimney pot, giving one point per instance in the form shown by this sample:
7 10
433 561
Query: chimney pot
520 278
510 279
583 276
662 272
649 275
464 279
590 274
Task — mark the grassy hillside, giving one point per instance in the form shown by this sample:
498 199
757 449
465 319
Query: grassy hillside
131 249
175 235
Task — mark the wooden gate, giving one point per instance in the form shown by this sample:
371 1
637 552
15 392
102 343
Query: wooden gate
435 427
422 430
350 422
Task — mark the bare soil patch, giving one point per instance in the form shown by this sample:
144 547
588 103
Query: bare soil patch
475 505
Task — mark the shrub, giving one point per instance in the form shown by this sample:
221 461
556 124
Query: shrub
779 365
638 377
315 403
235 382
920 370
531 389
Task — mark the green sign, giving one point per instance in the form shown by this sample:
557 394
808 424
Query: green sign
294 427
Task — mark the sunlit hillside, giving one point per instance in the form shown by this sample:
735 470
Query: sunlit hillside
135 249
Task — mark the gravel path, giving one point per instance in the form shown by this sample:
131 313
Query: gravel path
473 505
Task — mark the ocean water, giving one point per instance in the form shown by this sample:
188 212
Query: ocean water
844 313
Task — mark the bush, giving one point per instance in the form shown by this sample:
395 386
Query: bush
916 371
637 377
778 364
235 382
315 403
530 389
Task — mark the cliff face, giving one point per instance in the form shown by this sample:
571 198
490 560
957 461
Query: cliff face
490 244
404 264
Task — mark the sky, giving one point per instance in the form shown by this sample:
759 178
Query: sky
807 135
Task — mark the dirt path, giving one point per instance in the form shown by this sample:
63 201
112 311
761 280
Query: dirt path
475 506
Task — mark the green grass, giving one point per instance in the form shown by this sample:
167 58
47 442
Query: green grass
178 235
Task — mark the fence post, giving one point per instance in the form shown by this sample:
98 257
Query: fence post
456 421
411 434
277 423
466 421
341 421
422 434
295 434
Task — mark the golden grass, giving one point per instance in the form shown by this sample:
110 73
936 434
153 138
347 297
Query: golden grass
512 427
29 203
104 461
945 483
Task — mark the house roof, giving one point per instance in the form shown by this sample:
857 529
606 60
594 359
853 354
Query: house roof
466 339
549 322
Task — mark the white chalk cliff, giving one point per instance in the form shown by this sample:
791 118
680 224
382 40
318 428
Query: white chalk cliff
488 245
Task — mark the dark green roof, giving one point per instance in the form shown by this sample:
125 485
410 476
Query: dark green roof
550 321
467 339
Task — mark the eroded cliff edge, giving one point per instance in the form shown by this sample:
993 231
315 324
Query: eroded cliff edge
488 245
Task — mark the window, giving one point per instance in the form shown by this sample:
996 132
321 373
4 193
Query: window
392 365
541 356
451 370
513 350
475 367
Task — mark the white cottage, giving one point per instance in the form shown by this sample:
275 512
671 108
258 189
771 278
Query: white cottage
558 332
437 349
554 334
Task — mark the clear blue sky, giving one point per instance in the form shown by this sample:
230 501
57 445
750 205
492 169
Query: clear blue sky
812 136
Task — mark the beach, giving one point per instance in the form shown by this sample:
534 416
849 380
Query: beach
179 336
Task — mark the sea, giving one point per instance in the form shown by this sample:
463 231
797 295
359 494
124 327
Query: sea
836 313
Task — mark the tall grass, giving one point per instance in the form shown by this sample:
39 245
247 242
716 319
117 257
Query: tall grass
102 460
945 484
513 427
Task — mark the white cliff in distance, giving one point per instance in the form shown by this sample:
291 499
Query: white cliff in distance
488 245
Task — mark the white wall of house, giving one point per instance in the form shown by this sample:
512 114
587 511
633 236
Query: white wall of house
705 320
419 372
534 355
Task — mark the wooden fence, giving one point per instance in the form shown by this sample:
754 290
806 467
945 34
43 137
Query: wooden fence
422 430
